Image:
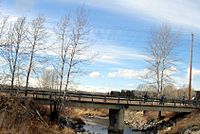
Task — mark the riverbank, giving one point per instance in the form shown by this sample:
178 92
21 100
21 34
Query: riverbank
186 124
22 117
140 120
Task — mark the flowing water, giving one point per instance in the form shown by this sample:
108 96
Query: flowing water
96 125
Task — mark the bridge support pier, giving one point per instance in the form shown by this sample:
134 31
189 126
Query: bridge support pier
116 118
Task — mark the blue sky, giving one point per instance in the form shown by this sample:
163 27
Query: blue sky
120 31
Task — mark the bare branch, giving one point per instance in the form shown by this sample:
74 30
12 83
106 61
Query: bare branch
160 50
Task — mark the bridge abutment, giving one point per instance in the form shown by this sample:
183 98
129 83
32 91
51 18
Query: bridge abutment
116 118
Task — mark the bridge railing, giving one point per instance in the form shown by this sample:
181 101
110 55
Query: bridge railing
103 98
138 100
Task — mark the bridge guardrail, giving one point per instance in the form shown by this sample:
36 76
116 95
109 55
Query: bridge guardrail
107 98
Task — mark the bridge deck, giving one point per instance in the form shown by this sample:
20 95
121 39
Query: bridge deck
104 101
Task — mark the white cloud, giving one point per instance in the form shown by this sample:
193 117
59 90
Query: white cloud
134 74
115 54
34 82
174 11
181 12
94 74
90 88
50 68
171 71
106 58
127 73
196 72
130 85
12 18
180 81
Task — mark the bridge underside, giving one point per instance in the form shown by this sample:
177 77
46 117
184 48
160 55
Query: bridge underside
86 104
116 111
131 107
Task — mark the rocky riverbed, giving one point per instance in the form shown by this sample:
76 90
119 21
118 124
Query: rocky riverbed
135 119
183 123
138 121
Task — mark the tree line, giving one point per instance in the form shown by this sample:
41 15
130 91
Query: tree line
25 42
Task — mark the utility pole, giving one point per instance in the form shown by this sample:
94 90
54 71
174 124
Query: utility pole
190 74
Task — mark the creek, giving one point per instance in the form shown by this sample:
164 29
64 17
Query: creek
99 125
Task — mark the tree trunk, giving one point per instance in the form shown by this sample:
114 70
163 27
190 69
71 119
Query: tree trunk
14 67
29 69
61 77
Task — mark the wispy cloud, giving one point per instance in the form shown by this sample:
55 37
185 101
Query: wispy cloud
90 88
115 54
179 12
94 74
174 11
127 73
195 72
184 80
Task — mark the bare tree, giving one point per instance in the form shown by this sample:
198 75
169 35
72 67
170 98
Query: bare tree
50 79
3 31
78 46
19 35
64 39
161 56
3 22
74 49
36 38
12 45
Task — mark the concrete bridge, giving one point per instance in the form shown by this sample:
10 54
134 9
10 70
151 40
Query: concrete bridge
116 105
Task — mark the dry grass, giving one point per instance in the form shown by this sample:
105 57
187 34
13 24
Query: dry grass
16 118
82 112
191 121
